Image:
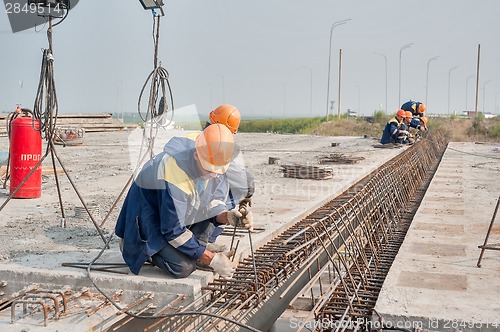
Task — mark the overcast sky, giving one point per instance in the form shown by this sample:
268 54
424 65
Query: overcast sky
259 55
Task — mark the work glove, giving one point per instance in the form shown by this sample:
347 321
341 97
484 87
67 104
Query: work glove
222 265
236 218
247 220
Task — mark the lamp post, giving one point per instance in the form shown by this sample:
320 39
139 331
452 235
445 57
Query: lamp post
401 51
329 62
359 99
496 105
153 4
385 58
449 85
427 78
310 91
119 98
211 96
223 89
21 92
466 89
484 93
284 99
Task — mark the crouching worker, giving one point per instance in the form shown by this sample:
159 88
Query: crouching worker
393 131
176 202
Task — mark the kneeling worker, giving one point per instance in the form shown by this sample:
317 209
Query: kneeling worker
176 202
393 129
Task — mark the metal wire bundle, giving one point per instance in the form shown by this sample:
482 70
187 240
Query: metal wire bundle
46 94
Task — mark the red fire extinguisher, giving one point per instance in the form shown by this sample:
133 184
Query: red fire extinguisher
25 154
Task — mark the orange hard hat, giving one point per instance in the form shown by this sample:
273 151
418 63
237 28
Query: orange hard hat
215 148
401 113
409 114
421 108
228 115
424 120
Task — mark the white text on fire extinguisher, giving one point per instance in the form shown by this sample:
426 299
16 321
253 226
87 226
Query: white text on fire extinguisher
31 157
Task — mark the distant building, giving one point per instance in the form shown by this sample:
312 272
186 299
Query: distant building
469 113
352 113
487 115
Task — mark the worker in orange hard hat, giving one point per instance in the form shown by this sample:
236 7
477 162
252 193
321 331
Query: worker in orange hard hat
226 114
393 131
405 137
423 123
169 213
415 107
241 182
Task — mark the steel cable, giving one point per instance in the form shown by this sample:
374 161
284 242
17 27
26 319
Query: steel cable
46 94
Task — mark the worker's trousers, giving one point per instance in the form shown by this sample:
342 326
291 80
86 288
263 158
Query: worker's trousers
178 264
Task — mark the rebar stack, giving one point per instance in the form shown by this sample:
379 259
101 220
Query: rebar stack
316 172
357 234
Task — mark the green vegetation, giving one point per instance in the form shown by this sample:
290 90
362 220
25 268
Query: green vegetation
380 117
283 126
455 128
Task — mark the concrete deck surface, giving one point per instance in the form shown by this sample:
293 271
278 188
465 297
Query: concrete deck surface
434 282
34 245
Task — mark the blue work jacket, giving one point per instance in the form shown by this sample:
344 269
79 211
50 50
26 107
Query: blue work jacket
412 106
390 131
165 199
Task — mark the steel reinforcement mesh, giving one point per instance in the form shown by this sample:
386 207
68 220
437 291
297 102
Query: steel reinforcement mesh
357 235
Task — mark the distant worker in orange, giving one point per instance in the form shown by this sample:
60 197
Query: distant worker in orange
415 107
175 203
423 123
392 131
405 128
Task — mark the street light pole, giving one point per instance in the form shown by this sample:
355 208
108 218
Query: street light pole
496 105
427 79
211 96
340 82
119 98
401 51
484 93
310 92
466 89
449 85
21 92
359 99
284 99
223 89
329 62
385 58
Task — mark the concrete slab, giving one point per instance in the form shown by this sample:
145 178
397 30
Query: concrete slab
434 283
34 244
